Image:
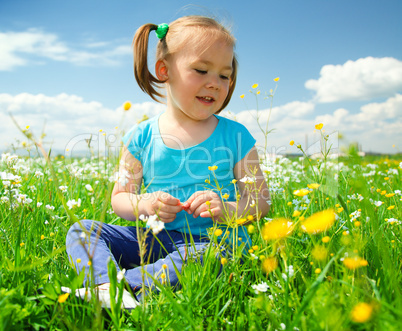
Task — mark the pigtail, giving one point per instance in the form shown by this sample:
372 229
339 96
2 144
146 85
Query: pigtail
146 81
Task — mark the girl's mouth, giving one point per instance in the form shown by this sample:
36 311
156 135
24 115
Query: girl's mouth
207 100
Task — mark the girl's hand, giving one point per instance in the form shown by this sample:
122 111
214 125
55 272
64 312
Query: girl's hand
205 204
162 204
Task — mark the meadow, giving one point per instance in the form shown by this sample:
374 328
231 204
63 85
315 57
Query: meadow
328 256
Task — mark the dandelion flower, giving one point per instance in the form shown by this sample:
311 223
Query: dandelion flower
325 239
302 192
319 222
313 186
127 105
296 213
254 86
319 126
277 229
361 312
353 263
63 297
269 264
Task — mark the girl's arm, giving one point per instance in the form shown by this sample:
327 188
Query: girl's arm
254 196
127 200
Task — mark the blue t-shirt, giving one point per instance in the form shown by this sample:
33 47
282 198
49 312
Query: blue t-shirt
181 172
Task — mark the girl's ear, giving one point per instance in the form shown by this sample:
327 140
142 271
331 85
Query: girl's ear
161 70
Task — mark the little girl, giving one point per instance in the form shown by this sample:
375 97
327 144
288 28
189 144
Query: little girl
176 155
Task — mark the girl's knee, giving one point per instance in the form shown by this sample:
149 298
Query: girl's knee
78 228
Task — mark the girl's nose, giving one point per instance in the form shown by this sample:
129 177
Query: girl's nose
214 82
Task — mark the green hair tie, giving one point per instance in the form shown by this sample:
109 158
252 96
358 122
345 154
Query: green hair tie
162 30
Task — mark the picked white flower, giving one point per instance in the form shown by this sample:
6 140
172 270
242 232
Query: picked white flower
378 203
153 223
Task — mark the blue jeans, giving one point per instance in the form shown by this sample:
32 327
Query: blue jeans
120 243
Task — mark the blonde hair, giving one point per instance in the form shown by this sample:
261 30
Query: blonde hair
181 32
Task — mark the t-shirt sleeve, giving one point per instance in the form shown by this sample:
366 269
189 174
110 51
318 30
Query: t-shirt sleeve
245 141
132 140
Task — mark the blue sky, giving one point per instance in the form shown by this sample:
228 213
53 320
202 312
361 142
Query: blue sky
69 63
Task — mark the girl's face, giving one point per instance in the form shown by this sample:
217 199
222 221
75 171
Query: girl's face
198 80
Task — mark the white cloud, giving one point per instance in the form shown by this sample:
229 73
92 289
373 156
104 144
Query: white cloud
377 126
363 79
66 118
22 48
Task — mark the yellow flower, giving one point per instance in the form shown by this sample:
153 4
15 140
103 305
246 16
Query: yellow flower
391 207
317 271
78 260
42 237
218 232
164 266
208 203
361 312
319 253
289 203
386 178
296 213
254 86
89 263
250 217
213 168
353 263
251 229
319 126
127 105
225 196
292 142
276 79
258 92
241 221
325 239
269 264
301 193
242 96
224 260
389 195
22 244
277 229
63 297
313 186
340 210
319 222
255 247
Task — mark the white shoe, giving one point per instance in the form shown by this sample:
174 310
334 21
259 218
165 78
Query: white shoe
103 292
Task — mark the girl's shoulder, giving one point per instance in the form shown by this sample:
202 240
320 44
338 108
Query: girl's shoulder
141 131
229 124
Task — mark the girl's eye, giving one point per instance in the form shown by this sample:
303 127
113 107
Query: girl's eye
202 72
224 77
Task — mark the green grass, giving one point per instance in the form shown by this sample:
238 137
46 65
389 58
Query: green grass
317 295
